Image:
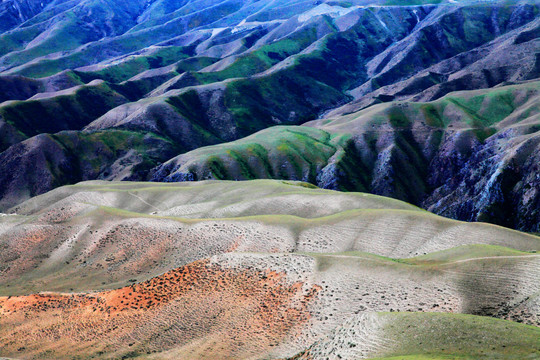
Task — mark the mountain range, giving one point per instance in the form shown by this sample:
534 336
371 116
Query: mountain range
270 179
136 91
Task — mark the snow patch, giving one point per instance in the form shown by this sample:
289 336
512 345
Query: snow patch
244 25
416 14
216 31
380 21
325 9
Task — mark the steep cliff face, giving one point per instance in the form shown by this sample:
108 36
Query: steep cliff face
499 183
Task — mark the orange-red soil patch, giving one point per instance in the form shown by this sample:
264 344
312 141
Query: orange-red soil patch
234 313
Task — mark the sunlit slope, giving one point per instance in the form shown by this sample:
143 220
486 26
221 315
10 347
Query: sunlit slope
244 306
426 336
429 154
258 269
102 234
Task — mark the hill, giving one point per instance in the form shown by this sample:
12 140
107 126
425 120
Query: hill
145 270
119 232
277 179
470 155
198 73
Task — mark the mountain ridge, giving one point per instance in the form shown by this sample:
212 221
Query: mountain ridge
250 66
281 179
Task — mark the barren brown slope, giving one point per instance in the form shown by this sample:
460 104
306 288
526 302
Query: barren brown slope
251 306
101 234
227 312
283 272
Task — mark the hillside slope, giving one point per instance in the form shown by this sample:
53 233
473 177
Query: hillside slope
253 306
300 155
471 155
200 73
45 161
259 269
116 232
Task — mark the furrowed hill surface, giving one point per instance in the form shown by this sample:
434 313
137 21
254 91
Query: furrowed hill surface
185 74
471 155
260 269
427 102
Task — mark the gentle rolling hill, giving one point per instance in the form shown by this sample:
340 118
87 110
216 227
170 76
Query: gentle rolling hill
258 269
116 232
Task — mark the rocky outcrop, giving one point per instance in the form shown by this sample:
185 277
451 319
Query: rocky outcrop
498 183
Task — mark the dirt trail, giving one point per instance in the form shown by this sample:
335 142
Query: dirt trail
446 263
144 201
490 258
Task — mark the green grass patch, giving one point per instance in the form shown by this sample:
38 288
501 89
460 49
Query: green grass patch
135 64
441 336
64 112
